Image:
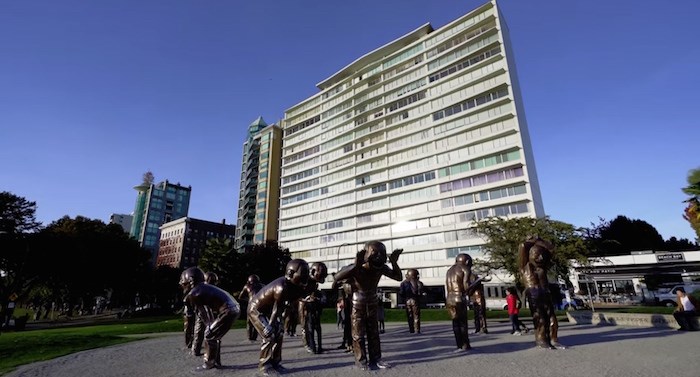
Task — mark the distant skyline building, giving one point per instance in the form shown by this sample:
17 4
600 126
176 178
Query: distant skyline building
122 220
258 198
182 241
157 204
410 144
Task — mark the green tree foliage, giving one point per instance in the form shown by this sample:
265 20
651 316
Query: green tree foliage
17 229
622 235
162 288
220 257
17 214
267 260
683 244
79 259
692 210
504 237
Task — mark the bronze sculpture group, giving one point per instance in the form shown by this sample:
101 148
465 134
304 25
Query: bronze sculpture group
210 311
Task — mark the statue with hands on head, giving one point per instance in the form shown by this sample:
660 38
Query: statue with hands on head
364 274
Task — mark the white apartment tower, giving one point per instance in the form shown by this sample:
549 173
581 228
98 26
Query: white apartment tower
409 145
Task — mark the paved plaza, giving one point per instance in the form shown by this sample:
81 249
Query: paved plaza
593 351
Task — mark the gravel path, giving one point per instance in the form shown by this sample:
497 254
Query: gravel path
593 351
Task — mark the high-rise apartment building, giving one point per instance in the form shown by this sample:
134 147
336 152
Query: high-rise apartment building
157 204
182 241
258 200
410 144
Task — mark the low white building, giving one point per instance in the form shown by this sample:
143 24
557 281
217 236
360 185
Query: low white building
636 276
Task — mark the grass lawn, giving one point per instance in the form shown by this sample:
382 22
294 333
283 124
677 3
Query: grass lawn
24 347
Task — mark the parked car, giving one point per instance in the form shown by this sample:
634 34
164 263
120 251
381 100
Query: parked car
666 296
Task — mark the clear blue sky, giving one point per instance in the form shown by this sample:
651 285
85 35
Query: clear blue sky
95 93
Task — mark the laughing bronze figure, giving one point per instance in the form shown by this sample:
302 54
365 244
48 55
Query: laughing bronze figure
458 290
311 308
412 291
535 256
364 274
265 312
217 308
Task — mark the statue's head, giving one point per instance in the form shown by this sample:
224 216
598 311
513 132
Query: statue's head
211 278
297 272
464 259
412 273
253 279
375 255
190 278
536 251
319 272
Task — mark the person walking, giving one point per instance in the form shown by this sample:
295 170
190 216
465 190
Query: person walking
514 304
339 306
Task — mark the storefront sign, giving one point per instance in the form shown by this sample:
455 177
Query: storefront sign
670 257
599 271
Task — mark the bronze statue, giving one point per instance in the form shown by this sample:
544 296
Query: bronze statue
478 299
412 290
458 291
363 275
265 312
217 308
249 290
344 289
311 308
209 278
290 318
535 255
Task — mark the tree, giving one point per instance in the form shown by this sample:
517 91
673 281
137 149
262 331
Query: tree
80 259
148 178
267 260
622 236
504 237
17 225
692 210
220 257
17 214
674 244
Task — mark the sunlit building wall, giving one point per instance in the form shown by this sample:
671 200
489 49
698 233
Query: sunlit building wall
410 144
258 200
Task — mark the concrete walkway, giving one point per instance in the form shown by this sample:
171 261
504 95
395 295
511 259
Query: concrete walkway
594 351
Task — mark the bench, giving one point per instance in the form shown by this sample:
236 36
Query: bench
585 317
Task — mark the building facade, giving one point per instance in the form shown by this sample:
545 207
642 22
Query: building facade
157 204
258 198
410 144
638 276
122 220
182 241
